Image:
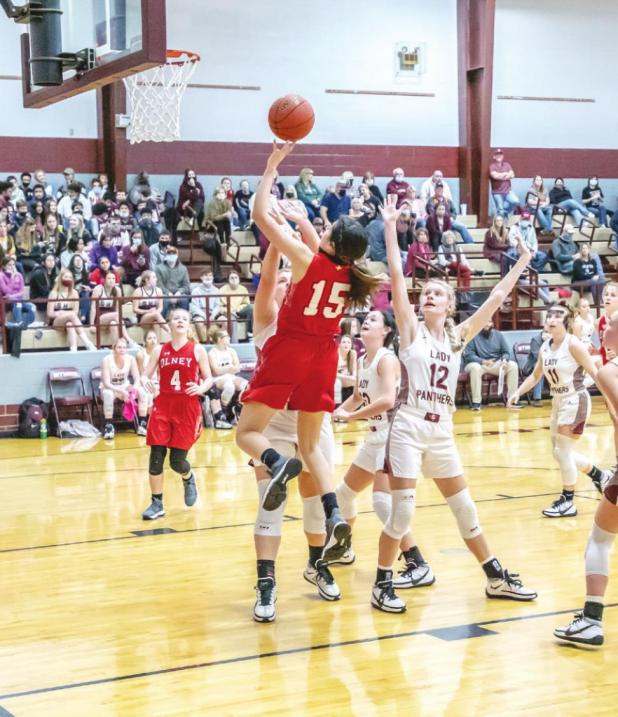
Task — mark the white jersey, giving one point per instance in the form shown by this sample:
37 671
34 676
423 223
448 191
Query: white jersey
369 387
223 359
564 375
119 377
429 376
587 330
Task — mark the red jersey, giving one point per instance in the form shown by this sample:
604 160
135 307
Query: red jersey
602 325
177 369
315 304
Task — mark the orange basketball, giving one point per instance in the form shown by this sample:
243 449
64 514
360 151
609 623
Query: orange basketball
291 118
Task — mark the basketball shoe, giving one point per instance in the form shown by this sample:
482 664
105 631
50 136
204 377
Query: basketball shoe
509 587
323 579
414 575
582 630
384 598
561 508
346 559
266 597
338 537
109 431
154 510
282 470
190 490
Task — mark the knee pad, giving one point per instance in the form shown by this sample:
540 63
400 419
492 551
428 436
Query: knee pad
398 522
179 462
227 392
597 551
346 498
382 505
157 457
213 393
313 515
268 522
464 510
107 396
564 455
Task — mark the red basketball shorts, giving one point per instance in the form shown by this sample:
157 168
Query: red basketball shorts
297 372
175 422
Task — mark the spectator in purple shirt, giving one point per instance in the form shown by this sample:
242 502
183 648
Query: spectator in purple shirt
104 248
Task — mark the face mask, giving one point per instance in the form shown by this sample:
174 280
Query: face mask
593 183
523 225
207 282
233 281
369 182
289 195
146 222
124 215
341 193
98 191
220 197
399 177
486 332
136 242
171 260
163 245
67 282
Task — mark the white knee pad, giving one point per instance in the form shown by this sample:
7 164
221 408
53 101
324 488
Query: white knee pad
107 396
382 505
564 454
268 522
398 522
346 498
228 390
597 551
313 515
465 514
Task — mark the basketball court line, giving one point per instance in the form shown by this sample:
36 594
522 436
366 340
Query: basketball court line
286 518
454 632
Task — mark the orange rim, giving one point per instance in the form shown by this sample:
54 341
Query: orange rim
179 57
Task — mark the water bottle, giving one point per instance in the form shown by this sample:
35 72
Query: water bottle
43 428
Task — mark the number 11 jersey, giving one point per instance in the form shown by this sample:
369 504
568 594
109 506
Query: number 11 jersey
430 369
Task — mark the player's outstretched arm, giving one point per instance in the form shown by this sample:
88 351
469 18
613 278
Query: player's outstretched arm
299 255
471 327
295 214
405 316
527 384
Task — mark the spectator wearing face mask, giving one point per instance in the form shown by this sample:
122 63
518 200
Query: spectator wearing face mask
237 298
149 229
159 250
135 258
357 212
95 195
398 185
173 279
593 200
241 205
127 222
564 250
561 198
42 278
191 197
39 177
369 180
335 204
205 304
291 198
524 231
219 214
588 273
489 353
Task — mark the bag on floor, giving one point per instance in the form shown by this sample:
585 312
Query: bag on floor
31 412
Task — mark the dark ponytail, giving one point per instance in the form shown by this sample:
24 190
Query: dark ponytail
350 240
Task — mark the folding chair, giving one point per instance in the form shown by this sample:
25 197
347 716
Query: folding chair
62 382
521 350
97 401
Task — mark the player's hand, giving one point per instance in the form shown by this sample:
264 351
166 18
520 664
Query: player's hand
389 211
279 153
340 414
292 211
147 384
523 249
193 389
513 399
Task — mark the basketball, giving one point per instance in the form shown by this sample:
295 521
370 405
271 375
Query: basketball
291 118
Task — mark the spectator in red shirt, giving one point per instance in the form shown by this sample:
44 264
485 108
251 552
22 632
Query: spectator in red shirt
398 185
102 270
438 222
420 255
500 175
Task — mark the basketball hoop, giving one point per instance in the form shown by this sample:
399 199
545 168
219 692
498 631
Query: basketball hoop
155 97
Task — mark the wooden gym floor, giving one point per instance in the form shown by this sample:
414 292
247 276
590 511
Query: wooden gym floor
101 619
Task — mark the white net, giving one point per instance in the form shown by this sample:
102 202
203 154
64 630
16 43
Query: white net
154 99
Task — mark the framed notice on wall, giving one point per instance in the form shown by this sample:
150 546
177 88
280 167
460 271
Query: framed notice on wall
409 61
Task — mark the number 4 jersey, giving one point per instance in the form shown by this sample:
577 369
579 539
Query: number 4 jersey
178 368
430 369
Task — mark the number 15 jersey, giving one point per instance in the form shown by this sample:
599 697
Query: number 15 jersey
430 369
315 304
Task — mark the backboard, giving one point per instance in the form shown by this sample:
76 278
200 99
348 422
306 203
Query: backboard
127 36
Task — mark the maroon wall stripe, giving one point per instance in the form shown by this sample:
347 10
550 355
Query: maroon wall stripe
237 158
